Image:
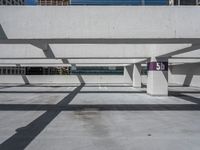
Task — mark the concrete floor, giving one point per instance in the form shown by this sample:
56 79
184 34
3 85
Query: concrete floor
94 117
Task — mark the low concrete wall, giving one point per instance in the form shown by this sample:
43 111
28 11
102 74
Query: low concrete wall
64 79
144 79
11 79
185 74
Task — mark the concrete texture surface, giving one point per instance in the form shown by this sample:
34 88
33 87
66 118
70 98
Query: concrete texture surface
98 117
100 22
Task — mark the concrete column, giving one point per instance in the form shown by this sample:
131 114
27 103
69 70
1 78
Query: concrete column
157 81
128 71
171 2
1 69
6 71
137 75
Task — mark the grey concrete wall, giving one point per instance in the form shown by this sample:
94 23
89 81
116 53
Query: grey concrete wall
27 22
144 79
108 50
185 74
112 79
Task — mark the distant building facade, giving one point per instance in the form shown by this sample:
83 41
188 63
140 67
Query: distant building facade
53 2
11 2
184 2
34 2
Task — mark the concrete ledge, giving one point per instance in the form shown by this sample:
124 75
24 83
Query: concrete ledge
32 79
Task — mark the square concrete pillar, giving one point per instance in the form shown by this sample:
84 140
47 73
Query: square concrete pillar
137 81
128 71
157 81
133 73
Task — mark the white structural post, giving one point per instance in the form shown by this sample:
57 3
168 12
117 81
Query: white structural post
179 2
157 81
137 76
171 2
128 71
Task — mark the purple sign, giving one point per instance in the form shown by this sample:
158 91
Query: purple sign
157 66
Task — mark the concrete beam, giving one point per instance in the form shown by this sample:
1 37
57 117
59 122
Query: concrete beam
100 22
182 61
20 51
190 54
63 65
71 61
114 50
100 50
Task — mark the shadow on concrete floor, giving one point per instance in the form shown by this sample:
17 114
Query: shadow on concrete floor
23 136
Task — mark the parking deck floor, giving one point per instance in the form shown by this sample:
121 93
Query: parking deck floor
98 117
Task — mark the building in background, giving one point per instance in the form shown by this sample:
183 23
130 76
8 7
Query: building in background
184 2
11 2
53 2
34 2
30 2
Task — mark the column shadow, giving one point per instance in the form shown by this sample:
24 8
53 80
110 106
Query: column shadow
24 135
2 33
188 80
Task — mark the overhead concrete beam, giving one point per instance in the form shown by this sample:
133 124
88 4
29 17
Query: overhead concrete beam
104 61
70 61
100 50
89 51
181 51
190 54
168 50
31 61
101 41
63 65
78 62
20 51
106 51
100 22
114 50
46 49
182 60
